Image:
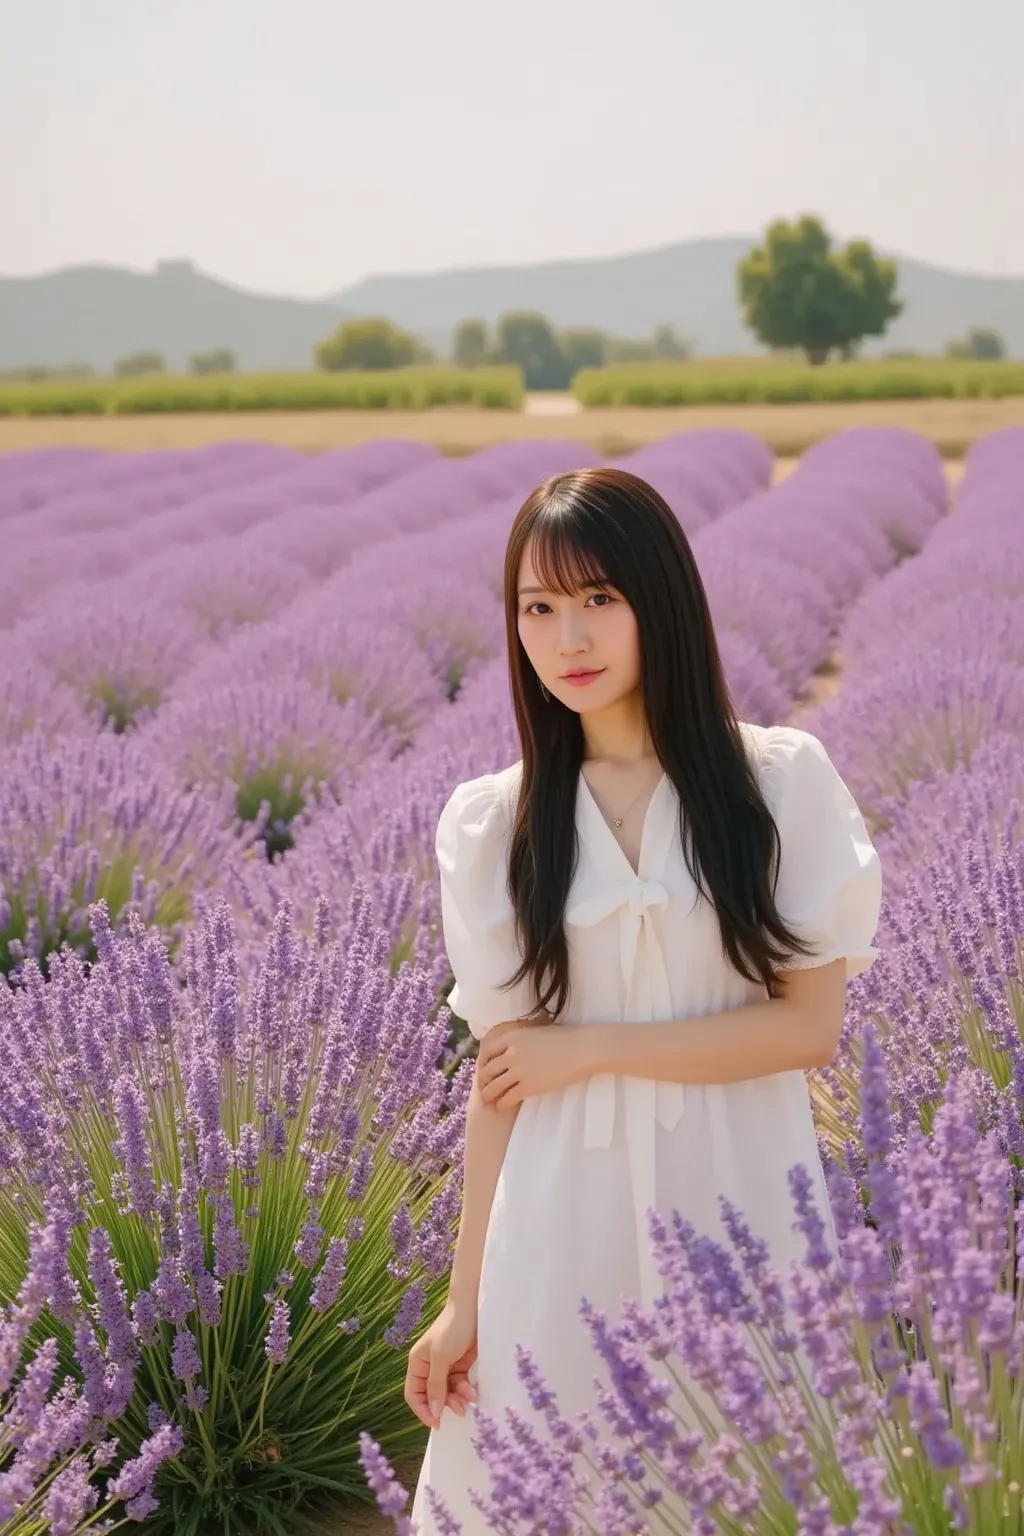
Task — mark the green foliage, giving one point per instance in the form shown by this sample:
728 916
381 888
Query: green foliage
410 389
469 346
550 358
664 346
981 342
259 1437
527 340
583 348
370 343
34 372
220 360
796 291
139 363
785 381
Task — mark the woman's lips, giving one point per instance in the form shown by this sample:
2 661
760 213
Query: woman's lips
581 679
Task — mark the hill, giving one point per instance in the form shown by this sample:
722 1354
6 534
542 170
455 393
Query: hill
691 286
98 314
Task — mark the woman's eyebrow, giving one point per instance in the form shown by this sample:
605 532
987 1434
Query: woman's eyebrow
523 590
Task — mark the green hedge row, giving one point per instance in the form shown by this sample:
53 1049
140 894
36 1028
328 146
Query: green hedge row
770 381
401 389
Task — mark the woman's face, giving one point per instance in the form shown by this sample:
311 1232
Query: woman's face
594 629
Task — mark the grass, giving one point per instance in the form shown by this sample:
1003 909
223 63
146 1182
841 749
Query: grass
787 380
788 429
171 394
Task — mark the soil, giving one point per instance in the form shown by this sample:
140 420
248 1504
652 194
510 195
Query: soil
788 429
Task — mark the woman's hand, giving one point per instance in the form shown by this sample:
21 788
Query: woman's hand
521 1062
437 1376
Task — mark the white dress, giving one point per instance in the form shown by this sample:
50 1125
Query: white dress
584 1164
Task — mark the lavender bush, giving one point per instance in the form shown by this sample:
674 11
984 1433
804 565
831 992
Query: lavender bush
114 646
90 818
874 1388
932 746
279 744
56 1452
251 1191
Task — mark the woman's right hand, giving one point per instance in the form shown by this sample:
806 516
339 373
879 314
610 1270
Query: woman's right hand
439 1363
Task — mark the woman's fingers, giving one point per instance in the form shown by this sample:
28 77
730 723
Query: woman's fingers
494 1082
487 1065
415 1392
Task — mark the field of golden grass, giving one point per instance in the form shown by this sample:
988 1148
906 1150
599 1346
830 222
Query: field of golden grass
788 429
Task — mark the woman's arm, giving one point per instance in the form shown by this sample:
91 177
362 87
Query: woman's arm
794 1031
488 1131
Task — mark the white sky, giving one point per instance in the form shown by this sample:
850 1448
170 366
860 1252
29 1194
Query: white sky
294 146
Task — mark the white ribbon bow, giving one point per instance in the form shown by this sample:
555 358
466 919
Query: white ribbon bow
647 1103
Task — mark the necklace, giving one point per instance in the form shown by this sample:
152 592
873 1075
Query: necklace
618 820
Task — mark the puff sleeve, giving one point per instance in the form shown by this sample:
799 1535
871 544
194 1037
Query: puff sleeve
476 912
829 888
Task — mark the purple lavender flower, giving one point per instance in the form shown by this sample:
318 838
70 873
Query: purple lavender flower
409 1314
310 1240
275 1345
332 1273
70 1498
391 1497
136 1476
185 1361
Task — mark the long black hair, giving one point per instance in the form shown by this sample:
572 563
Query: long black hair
606 525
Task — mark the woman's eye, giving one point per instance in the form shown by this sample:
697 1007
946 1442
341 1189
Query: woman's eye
606 595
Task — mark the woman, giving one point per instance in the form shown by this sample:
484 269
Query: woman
651 919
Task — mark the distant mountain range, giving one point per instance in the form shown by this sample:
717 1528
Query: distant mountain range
96 315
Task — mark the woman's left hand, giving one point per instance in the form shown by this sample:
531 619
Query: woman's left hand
521 1063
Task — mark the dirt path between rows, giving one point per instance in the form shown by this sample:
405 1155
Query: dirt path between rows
788 429
826 680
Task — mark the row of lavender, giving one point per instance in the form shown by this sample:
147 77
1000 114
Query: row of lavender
254 631
781 568
881 1389
251 682
241 1175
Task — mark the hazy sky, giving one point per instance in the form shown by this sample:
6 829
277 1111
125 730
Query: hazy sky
294 146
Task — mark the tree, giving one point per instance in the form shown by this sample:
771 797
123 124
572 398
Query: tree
583 348
370 343
469 347
666 344
220 360
526 339
139 363
797 292
663 345
982 343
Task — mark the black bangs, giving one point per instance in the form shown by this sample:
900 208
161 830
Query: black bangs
565 546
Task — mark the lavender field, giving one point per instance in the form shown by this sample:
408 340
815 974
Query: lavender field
237 685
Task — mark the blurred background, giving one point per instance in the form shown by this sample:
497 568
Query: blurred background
689 206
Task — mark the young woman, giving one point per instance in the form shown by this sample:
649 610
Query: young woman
651 919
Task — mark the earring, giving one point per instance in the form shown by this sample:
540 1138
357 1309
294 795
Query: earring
547 696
